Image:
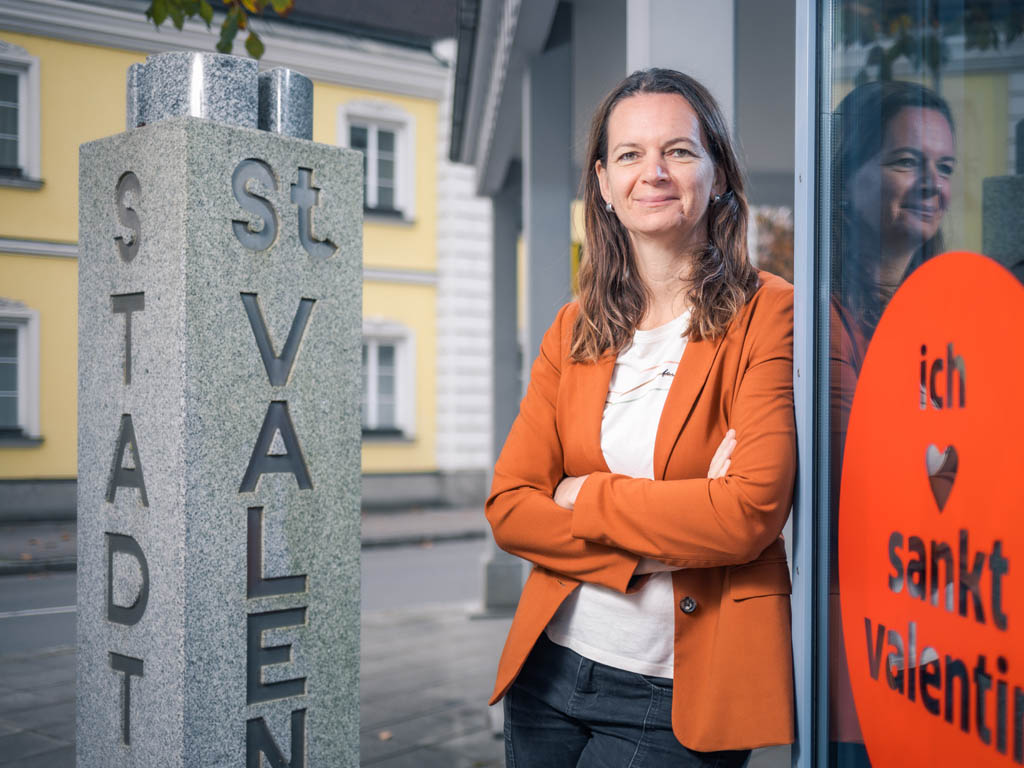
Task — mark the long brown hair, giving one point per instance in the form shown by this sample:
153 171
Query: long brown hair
612 296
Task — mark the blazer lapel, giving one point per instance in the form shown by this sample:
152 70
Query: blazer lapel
590 393
686 386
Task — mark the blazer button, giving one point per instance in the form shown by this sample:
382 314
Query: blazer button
688 605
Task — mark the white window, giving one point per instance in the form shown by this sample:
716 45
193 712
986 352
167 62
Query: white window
19 117
19 370
388 379
384 133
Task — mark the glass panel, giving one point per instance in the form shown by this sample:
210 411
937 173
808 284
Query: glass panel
8 377
385 197
366 387
9 87
385 171
8 342
357 137
8 412
386 414
8 153
386 386
386 141
8 120
922 141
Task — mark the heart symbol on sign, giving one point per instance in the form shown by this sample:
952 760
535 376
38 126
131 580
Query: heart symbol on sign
941 466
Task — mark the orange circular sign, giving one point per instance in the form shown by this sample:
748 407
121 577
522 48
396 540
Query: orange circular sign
931 522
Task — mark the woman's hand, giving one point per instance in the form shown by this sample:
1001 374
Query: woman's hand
568 489
721 460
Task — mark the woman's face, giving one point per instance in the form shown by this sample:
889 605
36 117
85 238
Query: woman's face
903 192
659 176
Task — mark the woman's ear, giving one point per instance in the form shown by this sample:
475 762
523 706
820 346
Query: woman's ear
718 188
602 180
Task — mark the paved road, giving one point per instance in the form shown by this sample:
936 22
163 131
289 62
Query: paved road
429 713
37 610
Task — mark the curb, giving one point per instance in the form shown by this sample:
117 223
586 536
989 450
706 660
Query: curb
56 650
423 539
56 564
20 567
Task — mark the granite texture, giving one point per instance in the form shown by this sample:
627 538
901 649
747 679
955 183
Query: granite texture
198 397
133 94
286 103
1002 226
213 86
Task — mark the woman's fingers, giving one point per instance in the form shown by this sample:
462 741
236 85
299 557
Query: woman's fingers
567 490
722 459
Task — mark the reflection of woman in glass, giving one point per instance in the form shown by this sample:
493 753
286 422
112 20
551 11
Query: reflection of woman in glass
893 161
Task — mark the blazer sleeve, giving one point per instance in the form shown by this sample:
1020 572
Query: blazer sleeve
692 523
523 516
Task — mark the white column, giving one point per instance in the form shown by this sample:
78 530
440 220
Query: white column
692 36
464 344
548 188
503 573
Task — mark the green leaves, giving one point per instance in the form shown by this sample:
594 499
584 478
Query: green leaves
236 18
228 30
254 45
157 12
206 12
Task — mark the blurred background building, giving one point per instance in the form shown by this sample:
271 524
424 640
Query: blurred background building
382 84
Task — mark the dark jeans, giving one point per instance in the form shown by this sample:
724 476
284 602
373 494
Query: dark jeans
565 711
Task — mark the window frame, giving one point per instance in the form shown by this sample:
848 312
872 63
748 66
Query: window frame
17 61
376 332
14 314
375 116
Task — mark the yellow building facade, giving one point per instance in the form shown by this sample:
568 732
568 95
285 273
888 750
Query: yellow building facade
62 83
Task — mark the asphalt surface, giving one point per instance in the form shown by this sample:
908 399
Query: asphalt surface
421 587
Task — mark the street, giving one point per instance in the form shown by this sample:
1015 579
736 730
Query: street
409 593
37 611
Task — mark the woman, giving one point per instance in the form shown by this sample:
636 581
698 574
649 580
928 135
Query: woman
893 165
650 470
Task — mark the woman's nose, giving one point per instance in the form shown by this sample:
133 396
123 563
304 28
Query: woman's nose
929 179
655 172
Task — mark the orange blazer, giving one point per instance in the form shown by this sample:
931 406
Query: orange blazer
733 653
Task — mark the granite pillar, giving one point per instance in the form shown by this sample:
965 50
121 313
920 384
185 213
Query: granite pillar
219 433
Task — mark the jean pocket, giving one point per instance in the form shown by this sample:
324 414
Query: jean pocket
664 683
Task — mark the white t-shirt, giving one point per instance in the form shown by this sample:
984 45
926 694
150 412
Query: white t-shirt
634 632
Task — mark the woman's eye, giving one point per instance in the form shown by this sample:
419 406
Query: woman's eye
679 152
906 163
946 169
627 157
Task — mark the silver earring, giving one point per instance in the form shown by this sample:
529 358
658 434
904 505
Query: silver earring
716 198
608 206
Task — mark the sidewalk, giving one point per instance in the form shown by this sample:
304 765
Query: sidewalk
34 547
426 672
426 676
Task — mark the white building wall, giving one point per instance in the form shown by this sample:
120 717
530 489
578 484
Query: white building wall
463 312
